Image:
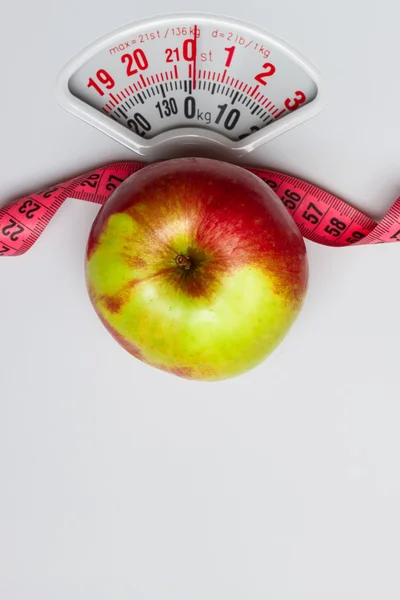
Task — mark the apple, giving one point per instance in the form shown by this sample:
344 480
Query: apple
195 267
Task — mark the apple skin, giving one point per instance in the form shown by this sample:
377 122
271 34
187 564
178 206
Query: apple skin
196 268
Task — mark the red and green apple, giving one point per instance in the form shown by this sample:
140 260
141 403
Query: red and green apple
195 267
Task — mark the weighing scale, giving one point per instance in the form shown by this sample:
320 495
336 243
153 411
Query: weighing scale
206 84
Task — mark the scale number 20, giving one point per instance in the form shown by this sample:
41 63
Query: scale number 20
136 59
139 124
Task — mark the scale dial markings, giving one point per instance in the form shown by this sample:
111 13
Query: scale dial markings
195 78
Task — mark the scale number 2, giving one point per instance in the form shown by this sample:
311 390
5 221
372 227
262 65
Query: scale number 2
269 71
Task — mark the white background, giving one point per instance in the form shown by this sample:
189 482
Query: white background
119 481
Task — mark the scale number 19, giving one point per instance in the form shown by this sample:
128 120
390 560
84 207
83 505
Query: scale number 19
104 79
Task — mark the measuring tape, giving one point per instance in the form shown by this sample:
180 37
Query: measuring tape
204 81
320 216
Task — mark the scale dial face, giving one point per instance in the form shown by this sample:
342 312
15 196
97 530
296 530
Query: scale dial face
197 79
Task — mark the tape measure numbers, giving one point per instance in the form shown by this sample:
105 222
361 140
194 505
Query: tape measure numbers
320 216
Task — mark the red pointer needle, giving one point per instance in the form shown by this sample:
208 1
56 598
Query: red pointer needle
195 57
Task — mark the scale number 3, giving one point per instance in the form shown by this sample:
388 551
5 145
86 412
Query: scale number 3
293 103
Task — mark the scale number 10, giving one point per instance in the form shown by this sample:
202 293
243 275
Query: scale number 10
231 118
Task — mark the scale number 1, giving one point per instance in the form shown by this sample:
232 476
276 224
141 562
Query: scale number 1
230 52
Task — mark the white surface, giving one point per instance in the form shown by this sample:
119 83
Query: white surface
118 481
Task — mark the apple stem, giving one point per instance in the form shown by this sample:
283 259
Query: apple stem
183 261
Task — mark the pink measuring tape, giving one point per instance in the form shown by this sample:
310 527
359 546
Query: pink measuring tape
320 216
